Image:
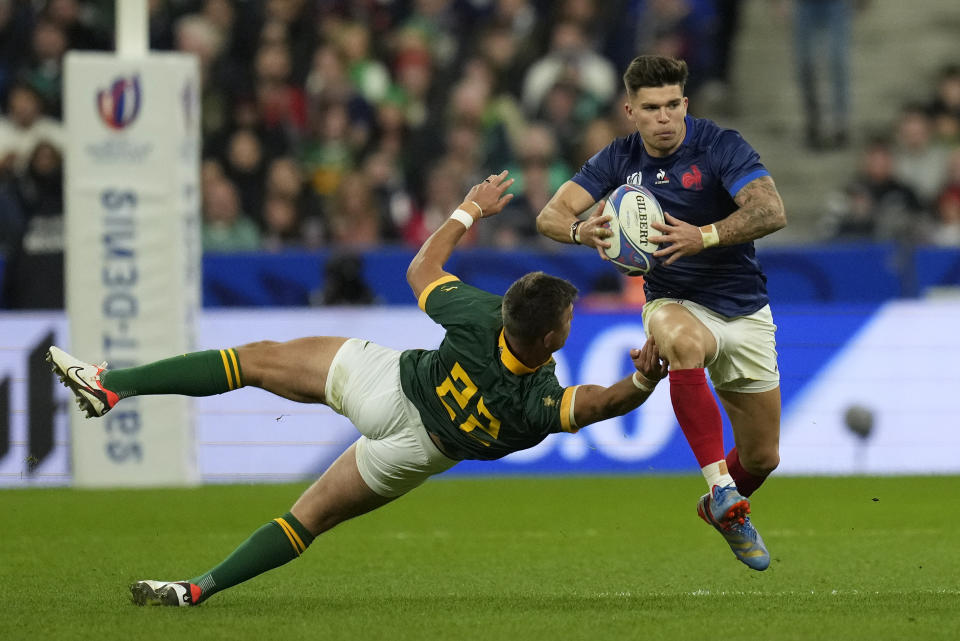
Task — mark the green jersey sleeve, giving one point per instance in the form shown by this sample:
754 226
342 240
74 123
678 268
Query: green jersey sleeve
450 302
550 404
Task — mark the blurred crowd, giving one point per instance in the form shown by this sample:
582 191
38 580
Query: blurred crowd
355 123
351 124
907 187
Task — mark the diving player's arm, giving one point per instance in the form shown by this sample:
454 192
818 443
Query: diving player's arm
760 213
482 201
594 403
557 217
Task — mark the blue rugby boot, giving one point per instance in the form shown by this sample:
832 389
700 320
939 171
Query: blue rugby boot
727 511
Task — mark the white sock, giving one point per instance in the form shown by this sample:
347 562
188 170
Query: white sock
717 474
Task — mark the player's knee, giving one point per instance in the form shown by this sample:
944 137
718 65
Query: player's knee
258 345
313 521
760 463
255 354
684 350
255 360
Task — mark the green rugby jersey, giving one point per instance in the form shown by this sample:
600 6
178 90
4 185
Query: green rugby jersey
472 392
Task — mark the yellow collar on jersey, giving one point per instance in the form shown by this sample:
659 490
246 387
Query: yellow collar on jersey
513 363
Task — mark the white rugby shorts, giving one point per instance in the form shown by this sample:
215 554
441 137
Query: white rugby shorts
394 453
746 358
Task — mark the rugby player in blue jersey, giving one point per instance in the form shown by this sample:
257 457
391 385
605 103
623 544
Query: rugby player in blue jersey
489 389
707 303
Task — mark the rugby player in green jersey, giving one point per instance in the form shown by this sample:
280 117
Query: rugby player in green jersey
488 390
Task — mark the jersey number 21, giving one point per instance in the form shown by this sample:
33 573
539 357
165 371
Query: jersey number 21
462 395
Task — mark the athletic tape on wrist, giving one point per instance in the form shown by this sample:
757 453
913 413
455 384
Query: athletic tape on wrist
463 217
642 384
710 236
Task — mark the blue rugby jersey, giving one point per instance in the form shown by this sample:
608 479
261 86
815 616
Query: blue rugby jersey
696 184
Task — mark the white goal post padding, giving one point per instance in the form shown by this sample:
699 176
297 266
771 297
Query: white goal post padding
133 251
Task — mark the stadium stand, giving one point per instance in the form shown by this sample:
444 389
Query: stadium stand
349 126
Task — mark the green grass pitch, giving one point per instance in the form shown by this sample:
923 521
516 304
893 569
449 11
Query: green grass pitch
555 558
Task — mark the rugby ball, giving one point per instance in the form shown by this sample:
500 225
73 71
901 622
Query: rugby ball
632 210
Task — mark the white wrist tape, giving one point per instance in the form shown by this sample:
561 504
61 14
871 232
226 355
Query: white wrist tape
463 217
710 236
641 383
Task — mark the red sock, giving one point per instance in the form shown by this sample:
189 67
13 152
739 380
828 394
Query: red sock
747 483
699 416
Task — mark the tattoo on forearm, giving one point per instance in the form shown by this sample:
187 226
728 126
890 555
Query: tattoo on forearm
761 213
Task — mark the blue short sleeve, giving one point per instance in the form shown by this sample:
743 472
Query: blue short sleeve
735 161
601 173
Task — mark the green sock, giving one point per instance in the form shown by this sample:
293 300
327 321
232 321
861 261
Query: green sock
279 541
195 374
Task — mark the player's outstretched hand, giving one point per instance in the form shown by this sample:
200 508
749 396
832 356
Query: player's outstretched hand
592 231
683 239
488 198
648 361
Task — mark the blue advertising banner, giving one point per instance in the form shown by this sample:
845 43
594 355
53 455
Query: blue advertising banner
882 363
819 274
866 273
649 439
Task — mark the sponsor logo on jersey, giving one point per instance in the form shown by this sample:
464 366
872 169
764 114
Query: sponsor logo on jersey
662 178
692 179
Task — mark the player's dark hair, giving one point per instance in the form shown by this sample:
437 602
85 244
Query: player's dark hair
654 71
534 305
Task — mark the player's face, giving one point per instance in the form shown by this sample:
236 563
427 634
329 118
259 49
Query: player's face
658 114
